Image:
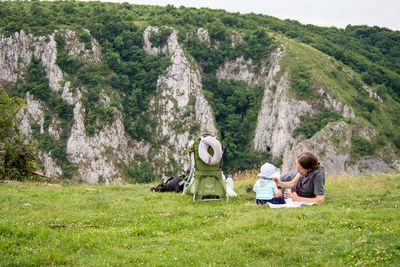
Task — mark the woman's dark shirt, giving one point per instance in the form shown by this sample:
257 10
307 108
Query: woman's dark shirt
310 184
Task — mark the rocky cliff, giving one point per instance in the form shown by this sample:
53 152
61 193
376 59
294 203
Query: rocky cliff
281 112
179 99
181 111
179 103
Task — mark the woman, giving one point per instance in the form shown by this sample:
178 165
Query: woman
308 180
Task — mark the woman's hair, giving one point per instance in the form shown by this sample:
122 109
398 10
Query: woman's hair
308 161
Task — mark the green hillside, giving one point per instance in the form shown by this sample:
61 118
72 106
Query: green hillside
342 61
80 225
316 70
372 51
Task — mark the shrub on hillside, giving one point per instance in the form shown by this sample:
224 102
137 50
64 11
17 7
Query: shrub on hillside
310 125
17 156
361 146
141 174
159 39
300 81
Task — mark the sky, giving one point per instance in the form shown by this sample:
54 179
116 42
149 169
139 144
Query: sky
338 13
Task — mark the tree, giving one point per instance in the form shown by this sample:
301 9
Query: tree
17 156
217 30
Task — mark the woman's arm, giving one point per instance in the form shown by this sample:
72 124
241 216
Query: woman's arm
289 184
316 199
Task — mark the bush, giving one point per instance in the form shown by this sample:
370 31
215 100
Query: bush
36 80
18 157
396 140
85 38
194 127
217 30
362 146
64 111
311 125
236 107
300 81
141 174
69 64
159 39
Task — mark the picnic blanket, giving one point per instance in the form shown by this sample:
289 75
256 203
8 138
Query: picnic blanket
290 204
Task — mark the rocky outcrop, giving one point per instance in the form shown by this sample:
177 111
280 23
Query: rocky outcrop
96 155
147 45
280 115
240 69
280 112
204 36
332 146
181 107
335 104
86 152
16 52
180 111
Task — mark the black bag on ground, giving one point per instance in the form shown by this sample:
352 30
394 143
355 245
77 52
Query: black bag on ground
170 185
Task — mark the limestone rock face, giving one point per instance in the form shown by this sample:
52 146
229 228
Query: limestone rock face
280 115
332 147
90 152
204 36
240 69
33 114
86 152
49 166
182 110
16 52
280 112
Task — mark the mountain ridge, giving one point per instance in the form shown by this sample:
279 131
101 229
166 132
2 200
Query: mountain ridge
299 86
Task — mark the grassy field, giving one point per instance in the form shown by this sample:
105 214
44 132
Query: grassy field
85 225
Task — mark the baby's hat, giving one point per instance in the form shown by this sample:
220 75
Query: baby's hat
269 171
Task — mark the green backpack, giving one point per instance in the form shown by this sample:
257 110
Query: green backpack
205 178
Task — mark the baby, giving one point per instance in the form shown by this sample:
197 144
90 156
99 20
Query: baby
265 187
